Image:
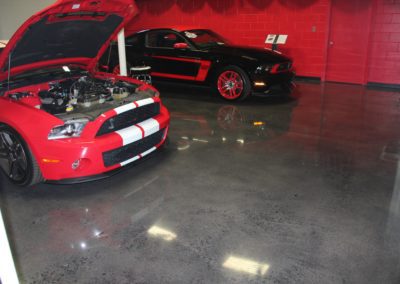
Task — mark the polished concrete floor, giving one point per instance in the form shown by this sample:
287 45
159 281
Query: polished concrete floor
265 191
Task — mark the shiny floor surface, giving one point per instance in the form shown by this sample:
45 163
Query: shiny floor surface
265 191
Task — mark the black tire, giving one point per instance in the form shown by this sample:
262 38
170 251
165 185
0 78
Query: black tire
287 88
233 84
16 159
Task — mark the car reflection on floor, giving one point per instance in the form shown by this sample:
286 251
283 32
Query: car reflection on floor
229 124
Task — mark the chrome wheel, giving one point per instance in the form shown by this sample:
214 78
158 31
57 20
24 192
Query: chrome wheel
13 159
230 85
233 84
229 117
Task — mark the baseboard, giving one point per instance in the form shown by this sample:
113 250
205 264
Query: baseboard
371 85
308 79
374 85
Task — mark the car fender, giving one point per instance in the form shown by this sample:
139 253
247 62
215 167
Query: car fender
221 63
24 120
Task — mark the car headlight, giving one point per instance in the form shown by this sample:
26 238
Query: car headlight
269 67
70 129
265 68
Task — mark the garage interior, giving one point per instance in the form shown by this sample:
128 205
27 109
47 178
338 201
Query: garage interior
269 190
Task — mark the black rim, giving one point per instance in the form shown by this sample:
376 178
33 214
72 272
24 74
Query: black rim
13 160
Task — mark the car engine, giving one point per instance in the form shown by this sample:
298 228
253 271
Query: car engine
86 92
86 95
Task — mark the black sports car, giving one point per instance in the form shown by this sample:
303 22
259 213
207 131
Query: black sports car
203 57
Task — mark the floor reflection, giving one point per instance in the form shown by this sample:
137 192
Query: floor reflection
162 233
227 124
264 191
246 265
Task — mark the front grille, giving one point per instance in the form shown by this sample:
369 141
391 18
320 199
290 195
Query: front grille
129 118
130 151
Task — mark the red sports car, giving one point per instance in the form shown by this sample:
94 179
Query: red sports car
60 119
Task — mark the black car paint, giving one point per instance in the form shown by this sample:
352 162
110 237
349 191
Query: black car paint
185 64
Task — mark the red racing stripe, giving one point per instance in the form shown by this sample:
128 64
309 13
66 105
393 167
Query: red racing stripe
141 129
201 75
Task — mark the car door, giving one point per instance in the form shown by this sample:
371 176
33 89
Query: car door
172 56
134 45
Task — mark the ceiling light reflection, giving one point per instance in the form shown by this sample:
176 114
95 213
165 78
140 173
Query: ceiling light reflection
162 233
184 147
83 245
246 265
200 140
96 233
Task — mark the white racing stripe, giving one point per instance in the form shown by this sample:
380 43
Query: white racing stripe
130 135
130 161
138 157
149 126
145 102
125 108
148 151
134 133
131 106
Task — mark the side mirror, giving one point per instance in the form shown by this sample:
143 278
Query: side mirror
181 45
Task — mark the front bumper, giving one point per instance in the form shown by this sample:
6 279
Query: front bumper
105 175
84 159
273 84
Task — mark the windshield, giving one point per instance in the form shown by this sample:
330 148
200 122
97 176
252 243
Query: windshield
37 76
204 38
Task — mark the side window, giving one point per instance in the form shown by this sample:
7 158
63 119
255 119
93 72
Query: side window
163 39
133 40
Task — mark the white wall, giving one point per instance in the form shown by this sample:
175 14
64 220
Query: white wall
14 12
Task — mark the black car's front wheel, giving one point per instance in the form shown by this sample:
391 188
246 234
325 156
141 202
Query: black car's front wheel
233 84
16 160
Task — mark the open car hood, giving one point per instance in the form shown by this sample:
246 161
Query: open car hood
69 31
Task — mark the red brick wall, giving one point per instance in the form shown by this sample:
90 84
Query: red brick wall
306 22
384 59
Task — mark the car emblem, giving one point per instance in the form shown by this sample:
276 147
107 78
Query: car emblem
112 126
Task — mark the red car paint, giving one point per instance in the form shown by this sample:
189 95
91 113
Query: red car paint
55 157
125 8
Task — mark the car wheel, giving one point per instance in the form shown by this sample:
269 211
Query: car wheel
287 88
16 160
233 84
